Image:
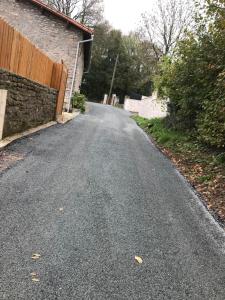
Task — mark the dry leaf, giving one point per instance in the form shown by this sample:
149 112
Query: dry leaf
61 209
35 279
33 274
35 256
139 259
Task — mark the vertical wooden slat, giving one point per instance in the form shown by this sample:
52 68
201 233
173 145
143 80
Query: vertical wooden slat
62 90
1 36
20 56
6 46
56 75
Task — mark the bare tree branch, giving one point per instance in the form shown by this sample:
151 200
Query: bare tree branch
88 12
165 25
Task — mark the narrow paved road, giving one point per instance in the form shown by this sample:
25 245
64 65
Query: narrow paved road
120 198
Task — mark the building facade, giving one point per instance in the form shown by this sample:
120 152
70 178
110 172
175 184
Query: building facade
54 33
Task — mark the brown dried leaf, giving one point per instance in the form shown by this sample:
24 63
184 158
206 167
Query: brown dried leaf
139 259
36 256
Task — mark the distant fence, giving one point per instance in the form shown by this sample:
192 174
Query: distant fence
58 82
20 56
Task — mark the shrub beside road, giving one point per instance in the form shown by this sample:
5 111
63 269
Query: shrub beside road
204 167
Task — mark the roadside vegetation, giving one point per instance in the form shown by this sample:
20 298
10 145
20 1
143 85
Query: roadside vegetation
135 67
79 101
192 75
178 50
204 167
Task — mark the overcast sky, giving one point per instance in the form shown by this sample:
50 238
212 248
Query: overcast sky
125 14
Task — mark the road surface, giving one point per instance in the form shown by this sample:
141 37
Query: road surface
88 197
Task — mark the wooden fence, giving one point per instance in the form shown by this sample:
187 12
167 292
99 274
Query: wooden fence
20 56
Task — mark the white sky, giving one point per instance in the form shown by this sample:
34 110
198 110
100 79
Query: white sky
125 14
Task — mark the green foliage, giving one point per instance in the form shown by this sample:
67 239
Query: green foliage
220 158
157 128
134 71
194 80
204 178
78 101
211 126
187 146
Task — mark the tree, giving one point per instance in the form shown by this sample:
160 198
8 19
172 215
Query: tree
165 25
216 7
140 62
106 46
66 7
194 77
88 12
91 12
135 68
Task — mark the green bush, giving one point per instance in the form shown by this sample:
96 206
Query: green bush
220 158
78 101
163 135
204 178
194 82
187 80
211 123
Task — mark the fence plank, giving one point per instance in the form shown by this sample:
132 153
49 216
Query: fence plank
20 56
56 75
6 45
62 91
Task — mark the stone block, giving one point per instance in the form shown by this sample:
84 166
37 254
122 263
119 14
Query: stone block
28 105
3 98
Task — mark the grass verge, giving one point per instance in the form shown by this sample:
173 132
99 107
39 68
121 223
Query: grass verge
203 167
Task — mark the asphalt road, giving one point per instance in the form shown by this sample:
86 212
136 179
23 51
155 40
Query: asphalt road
88 197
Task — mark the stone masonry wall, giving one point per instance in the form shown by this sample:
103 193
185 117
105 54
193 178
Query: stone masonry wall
28 103
48 33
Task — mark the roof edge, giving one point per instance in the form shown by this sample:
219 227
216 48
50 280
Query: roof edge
62 16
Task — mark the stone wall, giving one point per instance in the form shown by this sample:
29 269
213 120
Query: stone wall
28 103
48 32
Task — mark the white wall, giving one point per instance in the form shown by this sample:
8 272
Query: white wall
132 105
148 107
152 108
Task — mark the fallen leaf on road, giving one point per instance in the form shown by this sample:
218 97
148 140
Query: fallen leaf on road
34 277
139 259
61 209
36 256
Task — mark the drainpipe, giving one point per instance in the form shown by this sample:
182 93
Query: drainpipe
75 68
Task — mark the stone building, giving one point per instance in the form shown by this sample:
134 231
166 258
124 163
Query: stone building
51 31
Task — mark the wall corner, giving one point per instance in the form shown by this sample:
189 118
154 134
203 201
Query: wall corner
3 97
